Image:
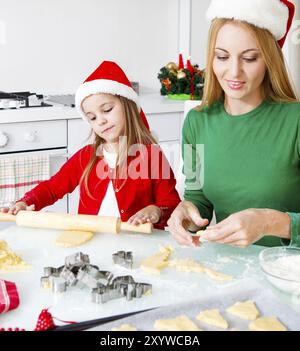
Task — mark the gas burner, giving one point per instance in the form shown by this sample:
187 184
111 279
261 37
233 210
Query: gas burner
22 99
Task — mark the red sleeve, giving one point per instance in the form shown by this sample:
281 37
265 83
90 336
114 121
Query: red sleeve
165 194
62 183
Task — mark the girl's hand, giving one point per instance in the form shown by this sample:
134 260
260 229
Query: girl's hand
149 214
185 217
18 206
244 228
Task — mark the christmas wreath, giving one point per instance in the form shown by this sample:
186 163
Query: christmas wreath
181 83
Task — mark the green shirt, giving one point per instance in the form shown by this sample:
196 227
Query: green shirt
248 161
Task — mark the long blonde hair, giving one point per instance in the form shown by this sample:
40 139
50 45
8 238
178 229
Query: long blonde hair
276 85
136 133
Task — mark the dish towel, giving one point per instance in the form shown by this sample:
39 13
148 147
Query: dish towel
9 297
20 174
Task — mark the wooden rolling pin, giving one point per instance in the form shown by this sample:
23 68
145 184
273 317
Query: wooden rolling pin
62 221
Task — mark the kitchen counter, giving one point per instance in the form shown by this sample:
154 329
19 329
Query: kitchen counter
37 248
151 104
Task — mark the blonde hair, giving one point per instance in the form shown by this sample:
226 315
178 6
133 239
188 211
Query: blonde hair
136 133
276 86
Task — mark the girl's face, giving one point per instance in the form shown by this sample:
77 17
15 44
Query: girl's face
238 64
106 116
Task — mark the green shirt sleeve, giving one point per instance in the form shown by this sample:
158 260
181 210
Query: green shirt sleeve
295 231
295 217
193 170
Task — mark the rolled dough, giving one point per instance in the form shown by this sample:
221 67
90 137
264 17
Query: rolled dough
213 317
72 238
245 310
181 323
267 324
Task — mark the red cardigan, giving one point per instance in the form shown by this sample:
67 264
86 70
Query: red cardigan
132 195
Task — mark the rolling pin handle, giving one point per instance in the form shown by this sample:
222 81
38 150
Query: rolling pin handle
7 217
145 228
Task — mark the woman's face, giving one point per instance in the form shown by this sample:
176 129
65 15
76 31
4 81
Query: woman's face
106 116
238 64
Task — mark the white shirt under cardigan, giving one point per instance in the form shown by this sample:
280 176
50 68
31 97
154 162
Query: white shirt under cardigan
109 206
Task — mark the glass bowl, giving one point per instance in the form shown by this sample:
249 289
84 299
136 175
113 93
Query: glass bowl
281 266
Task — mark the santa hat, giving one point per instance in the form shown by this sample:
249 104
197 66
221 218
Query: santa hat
274 15
108 78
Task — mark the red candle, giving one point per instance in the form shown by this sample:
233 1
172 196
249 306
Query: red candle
180 65
189 66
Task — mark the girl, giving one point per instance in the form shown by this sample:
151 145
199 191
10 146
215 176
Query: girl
123 173
249 124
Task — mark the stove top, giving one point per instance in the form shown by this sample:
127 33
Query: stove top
23 99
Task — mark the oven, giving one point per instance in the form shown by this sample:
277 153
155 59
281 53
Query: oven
37 138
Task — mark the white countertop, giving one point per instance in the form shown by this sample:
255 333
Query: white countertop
151 104
37 248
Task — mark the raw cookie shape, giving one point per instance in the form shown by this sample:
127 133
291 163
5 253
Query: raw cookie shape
267 324
245 310
154 264
180 323
125 327
187 265
190 265
9 261
213 317
72 238
218 276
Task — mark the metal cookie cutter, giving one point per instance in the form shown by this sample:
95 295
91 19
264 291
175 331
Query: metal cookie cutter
49 273
123 286
123 258
69 277
104 294
77 260
55 283
86 279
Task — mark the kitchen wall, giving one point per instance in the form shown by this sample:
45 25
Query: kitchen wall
51 45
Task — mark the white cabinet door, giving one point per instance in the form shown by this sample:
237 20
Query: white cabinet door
78 136
165 126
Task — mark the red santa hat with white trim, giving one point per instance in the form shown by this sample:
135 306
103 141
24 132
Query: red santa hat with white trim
273 15
108 78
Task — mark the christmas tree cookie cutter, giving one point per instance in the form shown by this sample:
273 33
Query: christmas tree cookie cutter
123 258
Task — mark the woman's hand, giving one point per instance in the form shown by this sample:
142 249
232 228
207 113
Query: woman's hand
149 214
244 228
15 208
185 217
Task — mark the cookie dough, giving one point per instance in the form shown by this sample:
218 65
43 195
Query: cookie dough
245 310
190 265
218 276
214 318
181 323
9 261
154 264
267 324
72 238
125 327
187 265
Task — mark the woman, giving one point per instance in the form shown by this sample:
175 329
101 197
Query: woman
249 124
